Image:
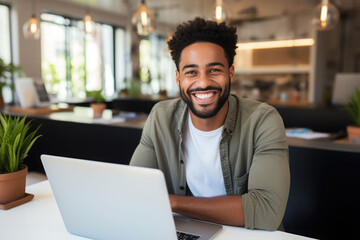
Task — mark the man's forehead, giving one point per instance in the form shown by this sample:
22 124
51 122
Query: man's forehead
203 43
202 48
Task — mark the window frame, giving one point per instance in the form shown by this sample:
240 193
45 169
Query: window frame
68 45
11 57
162 77
8 5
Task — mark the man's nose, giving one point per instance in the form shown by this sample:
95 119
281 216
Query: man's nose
203 81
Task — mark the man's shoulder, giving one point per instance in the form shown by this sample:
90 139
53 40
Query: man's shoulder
168 106
250 105
167 113
169 110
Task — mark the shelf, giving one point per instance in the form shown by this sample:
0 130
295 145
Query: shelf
45 110
277 102
273 70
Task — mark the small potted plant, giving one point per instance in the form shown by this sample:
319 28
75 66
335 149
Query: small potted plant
16 140
99 105
6 71
353 107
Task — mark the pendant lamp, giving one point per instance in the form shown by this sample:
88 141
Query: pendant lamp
89 24
31 28
220 13
143 18
326 15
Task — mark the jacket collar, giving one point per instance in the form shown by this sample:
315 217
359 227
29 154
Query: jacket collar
230 121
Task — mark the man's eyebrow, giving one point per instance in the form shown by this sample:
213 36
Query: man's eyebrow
190 66
207 65
215 64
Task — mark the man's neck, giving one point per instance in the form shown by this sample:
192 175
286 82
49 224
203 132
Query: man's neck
213 123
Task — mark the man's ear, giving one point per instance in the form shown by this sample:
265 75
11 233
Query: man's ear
177 77
232 73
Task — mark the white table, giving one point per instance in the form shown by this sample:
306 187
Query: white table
40 219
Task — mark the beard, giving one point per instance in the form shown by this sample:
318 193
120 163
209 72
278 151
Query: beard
203 112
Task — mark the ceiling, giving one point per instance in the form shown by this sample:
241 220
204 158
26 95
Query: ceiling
173 12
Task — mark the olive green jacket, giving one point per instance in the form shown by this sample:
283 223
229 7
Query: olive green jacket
253 153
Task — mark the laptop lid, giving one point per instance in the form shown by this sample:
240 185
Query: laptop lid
113 201
32 93
344 87
110 201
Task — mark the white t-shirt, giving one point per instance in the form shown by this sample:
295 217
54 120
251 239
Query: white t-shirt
202 161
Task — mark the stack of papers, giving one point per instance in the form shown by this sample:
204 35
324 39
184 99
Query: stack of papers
108 121
305 133
117 118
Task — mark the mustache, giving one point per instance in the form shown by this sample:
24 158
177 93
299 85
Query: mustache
204 89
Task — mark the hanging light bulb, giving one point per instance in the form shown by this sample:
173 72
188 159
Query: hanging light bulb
31 28
220 13
89 24
143 18
326 15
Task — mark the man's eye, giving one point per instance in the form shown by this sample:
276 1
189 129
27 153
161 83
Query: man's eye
190 72
215 70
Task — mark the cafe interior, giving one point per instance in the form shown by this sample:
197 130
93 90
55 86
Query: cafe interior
300 56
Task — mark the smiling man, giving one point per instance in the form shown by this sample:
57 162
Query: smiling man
225 158
204 79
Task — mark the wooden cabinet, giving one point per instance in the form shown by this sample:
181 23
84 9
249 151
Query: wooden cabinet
278 72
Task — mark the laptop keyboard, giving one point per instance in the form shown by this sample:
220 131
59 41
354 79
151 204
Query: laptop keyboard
186 236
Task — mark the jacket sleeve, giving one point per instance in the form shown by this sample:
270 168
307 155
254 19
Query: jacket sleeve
269 177
144 154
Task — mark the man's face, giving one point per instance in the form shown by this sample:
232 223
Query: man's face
204 78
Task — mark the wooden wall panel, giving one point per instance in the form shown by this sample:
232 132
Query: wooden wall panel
281 56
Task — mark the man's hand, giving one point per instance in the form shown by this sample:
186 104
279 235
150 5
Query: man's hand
224 209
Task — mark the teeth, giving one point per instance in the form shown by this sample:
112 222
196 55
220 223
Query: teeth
204 96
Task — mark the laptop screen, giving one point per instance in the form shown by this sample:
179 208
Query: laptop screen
344 87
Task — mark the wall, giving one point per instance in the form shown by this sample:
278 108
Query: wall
286 26
338 50
349 59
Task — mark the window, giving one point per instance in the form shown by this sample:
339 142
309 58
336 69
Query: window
157 69
5 43
74 62
5 52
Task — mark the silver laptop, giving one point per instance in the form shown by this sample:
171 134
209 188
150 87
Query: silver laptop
344 87
112 201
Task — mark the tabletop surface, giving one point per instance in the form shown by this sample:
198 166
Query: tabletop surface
79 115
41 219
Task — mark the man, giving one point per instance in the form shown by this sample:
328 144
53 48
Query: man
225 158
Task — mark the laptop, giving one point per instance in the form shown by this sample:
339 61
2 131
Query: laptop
344 87
32 93
112 201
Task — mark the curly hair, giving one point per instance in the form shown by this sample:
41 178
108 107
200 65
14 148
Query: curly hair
201 30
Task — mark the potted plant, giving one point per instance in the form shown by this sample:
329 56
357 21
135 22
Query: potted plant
6 71
16 140
99 105
353 107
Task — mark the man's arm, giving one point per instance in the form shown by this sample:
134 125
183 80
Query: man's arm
223 209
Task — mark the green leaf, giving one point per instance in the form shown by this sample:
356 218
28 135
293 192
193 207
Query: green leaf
16 140
24 154
353 107
13 159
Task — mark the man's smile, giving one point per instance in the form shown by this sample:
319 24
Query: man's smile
204 97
